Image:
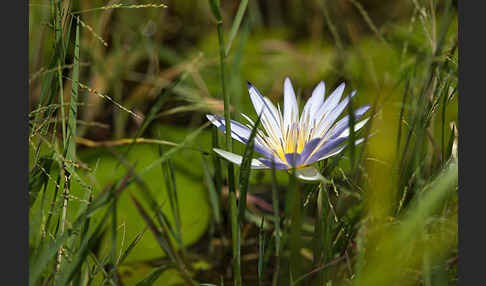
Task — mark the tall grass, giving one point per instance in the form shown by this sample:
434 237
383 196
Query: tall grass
110 82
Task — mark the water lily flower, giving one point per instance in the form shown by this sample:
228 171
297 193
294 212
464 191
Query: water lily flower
289 141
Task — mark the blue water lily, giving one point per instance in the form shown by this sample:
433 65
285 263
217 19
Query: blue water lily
292 141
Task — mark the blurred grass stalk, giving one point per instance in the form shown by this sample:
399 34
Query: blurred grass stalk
394 250
223 53
393 246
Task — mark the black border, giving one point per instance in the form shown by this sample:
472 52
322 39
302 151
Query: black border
472 190
14 117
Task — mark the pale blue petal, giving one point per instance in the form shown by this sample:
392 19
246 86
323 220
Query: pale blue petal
326 148
256 98
252 123
278 164
272 109
262 150
346 132
314 102
293 159
239 132
331 153
291 111
333 115
308 149
237 159
338 150
330 103
343 124
264 107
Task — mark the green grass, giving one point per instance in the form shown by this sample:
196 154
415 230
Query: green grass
124 188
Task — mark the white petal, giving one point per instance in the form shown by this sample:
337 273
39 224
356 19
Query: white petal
315 101
343 124
274 126
271 108
334 97
332 115
309 174
331 153
268 111
330 103
238 131
357 127
360 140
252 123
237 159
291 111
312 105
339 149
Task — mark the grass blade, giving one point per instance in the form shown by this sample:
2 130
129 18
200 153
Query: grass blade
261 252
293 211
245 170
73 106
450 143
38 177
113 270
218 176
69 271
396 242
235 238
38 263
162 239
61 100
236 25
352 136
276 217
322 235
168 174
215 8
131 246
152 277
213 195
